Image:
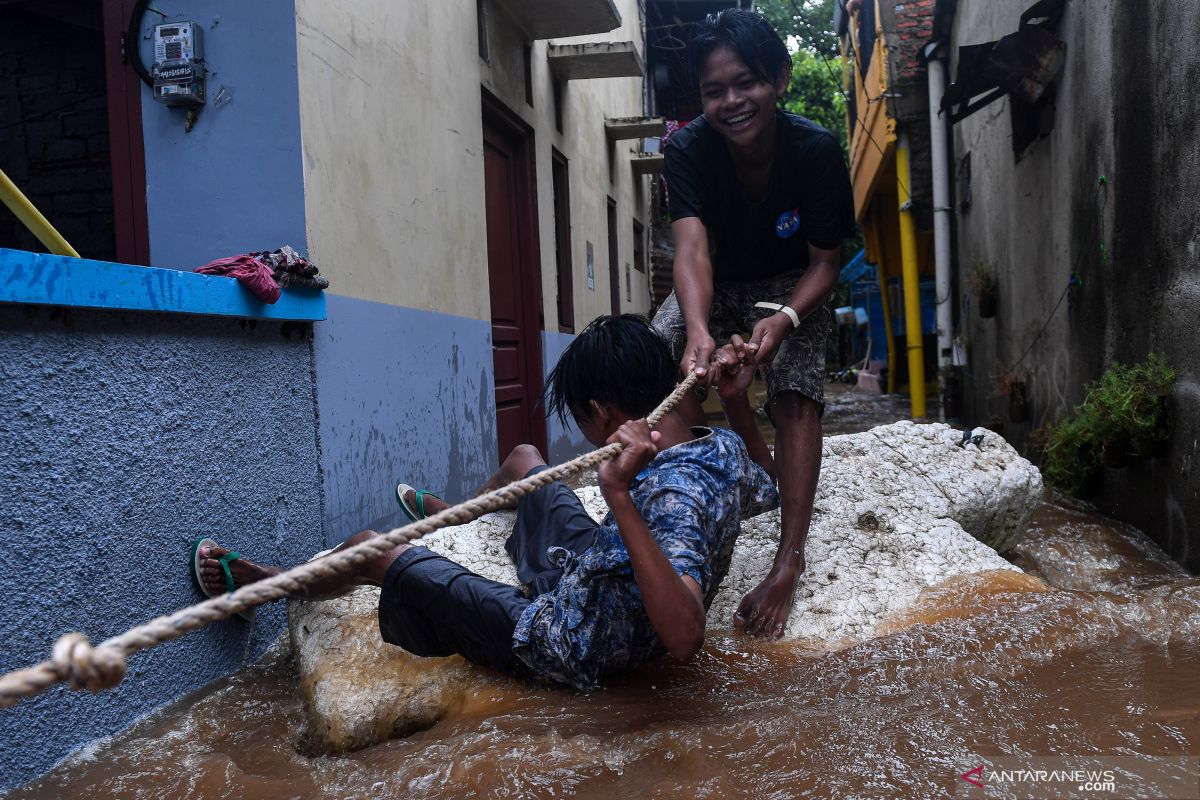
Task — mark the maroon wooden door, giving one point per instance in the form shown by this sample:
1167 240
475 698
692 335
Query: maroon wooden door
614 269
513 274
126 148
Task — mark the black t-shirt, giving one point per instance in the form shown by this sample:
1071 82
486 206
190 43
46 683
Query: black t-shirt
808 199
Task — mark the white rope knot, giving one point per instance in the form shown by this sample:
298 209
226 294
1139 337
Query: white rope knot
85 667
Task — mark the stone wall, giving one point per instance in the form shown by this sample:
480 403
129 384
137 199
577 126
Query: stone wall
908 27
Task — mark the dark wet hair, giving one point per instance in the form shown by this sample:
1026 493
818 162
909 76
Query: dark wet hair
617 360
746 33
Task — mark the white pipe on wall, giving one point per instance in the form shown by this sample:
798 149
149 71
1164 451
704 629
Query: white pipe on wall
941 211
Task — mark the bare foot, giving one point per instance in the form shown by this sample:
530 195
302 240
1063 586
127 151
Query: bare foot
243 570
432 504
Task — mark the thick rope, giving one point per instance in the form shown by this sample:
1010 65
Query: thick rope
75 661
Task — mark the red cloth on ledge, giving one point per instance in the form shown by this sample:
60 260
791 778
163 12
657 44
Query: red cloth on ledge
250 272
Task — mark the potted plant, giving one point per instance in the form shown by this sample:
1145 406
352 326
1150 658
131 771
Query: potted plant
1036 440
1123 415
1131 402
1072 454
984 287
1014 384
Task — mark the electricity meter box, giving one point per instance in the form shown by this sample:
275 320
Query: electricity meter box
178 69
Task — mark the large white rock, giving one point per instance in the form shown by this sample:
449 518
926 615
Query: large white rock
898 509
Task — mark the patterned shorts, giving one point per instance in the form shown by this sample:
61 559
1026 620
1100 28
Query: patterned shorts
799 364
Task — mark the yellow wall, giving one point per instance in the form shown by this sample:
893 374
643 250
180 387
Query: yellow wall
390 99
393 169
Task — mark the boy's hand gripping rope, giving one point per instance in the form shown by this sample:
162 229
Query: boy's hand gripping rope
75 661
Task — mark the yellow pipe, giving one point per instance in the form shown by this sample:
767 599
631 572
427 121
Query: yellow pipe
912 292
887 323
32 219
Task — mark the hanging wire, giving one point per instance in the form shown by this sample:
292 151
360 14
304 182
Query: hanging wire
812 33
1103 191
1075 280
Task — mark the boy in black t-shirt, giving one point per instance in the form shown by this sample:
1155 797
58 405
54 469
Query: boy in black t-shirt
760 201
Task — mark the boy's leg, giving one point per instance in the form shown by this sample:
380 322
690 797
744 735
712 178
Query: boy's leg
795 392
245 571
551 517
519 462
428 605
432 606
671 327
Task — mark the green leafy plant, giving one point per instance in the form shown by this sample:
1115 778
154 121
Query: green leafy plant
1072 452
983 277
1009 382
984 286
1123 414
1014 385
1131 403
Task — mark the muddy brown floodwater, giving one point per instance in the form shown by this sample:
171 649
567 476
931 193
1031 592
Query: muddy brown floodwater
1106 662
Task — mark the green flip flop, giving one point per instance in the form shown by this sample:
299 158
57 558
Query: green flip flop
417 513
224 561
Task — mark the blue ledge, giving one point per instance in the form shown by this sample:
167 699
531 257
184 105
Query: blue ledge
42 279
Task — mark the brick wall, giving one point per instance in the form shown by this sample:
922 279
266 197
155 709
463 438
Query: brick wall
914 29
54 129
909 27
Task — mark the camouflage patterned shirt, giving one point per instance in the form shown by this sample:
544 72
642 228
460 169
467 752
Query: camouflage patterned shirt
693 498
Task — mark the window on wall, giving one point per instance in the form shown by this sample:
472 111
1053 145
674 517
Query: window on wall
964 183
558 104
528 56
639 247
614 271
562 242
481 24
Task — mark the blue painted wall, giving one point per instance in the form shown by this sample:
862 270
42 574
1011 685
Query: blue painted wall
235 183
125 436
403 395
564 442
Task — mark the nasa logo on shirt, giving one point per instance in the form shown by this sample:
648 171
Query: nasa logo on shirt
787 224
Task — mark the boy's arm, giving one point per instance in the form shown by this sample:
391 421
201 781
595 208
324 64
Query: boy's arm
734 376
673 602
693 279
811 291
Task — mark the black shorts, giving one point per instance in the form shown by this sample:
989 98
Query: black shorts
432 606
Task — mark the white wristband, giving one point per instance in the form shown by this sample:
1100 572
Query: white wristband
791 312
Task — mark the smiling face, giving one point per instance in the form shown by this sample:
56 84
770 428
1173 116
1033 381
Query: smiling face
740 106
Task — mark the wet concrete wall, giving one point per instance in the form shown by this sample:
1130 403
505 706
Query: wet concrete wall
403 395
1109 195
126 436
